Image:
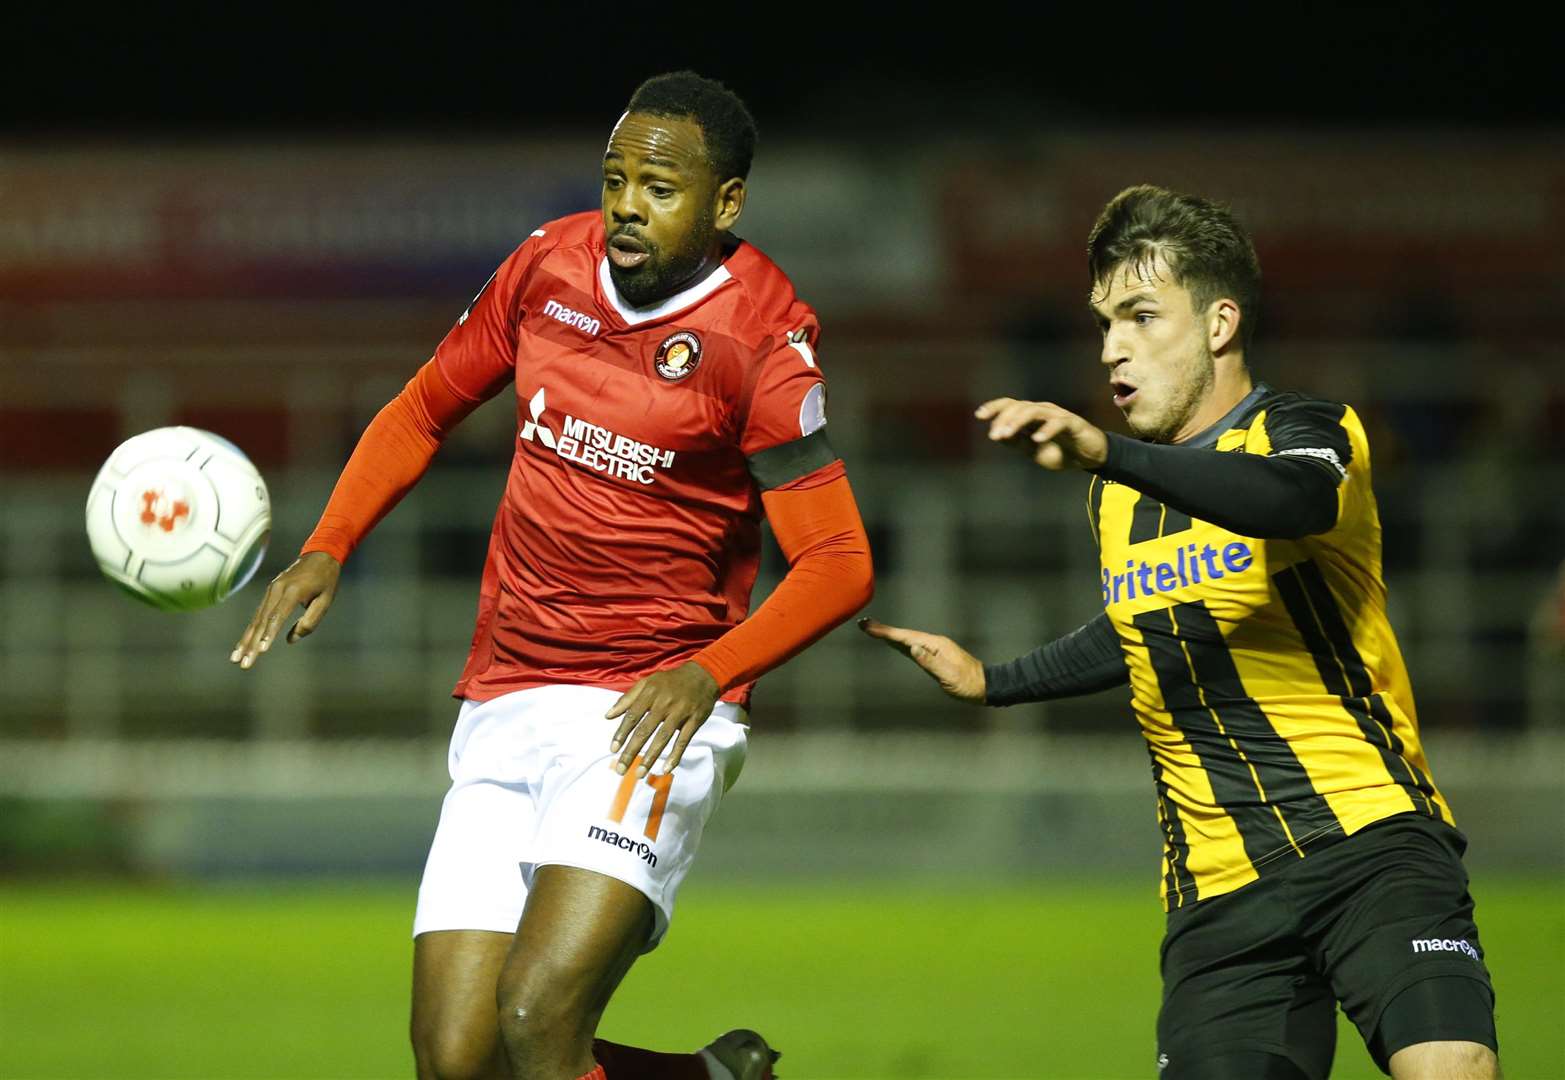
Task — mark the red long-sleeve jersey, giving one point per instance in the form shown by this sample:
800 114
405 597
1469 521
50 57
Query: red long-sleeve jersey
628 536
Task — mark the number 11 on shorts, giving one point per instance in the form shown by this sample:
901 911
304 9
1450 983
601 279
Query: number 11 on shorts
660 784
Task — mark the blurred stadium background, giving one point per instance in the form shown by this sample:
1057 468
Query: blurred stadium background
206 874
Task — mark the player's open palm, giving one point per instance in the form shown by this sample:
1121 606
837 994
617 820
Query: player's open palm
310 583
959 672
666 706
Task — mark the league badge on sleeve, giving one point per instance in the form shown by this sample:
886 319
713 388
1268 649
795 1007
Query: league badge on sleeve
812 410
678 356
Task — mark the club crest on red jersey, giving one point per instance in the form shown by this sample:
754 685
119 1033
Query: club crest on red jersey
678 356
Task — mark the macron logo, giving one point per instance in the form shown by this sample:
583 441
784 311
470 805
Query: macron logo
1444 945
624 843
574 319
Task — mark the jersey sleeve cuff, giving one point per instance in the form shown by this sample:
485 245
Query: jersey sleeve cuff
1119 447
709 664
330 541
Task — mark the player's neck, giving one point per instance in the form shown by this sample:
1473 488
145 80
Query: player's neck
708 266
1229 387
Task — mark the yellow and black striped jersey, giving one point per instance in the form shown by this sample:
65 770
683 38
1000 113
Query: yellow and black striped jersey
1264 673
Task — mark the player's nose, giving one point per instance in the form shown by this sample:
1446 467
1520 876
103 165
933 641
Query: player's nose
626 208
1115 349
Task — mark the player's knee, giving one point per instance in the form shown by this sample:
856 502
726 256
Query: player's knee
451 1055
539 1016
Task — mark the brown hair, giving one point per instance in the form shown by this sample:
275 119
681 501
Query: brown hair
1202 243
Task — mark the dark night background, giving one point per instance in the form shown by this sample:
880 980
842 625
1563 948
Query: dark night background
445 70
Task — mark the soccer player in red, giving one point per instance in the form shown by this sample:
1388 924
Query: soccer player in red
668 394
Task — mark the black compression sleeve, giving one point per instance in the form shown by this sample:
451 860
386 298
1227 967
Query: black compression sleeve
1269 498
1083 661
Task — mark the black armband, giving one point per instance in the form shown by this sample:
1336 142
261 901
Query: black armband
779 465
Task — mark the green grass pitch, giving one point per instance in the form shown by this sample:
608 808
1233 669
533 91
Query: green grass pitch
103 982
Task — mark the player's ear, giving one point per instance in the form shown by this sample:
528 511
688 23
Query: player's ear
1222 325
729 203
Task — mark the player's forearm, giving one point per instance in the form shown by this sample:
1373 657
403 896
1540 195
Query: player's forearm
1269 498
818 593
392 454
1084 661
830 576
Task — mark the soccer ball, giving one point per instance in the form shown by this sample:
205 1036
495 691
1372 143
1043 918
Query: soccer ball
178 518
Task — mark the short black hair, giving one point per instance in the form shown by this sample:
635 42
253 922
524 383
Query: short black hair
726 125
1202 243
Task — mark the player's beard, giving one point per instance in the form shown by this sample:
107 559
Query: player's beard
660 276
1188 391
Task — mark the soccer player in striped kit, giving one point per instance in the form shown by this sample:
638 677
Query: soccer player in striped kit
1309 858
668 395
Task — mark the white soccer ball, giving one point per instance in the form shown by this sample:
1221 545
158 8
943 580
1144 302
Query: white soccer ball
178 518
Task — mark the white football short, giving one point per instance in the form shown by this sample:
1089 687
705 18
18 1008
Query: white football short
533 784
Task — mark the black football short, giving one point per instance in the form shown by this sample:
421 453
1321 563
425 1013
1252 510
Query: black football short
1380 921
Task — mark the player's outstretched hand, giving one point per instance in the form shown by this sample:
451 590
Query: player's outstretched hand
665 705
311 583
1053 437
959 672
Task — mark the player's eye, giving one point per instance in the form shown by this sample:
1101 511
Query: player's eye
660 191
613 183
1144 317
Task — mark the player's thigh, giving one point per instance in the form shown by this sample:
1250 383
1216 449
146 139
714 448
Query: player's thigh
1464 1060
1403 953
1461 1009
455 1026
579 934
1239 992
469 902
